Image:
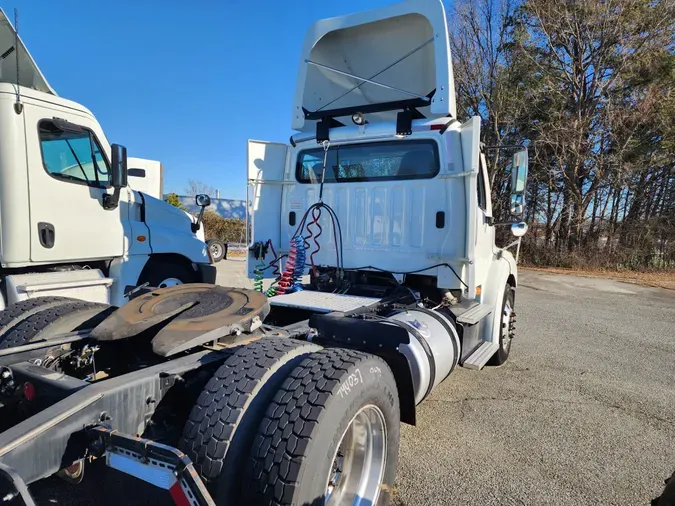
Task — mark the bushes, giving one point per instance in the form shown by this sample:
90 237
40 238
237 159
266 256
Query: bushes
215 226
174 200
231 230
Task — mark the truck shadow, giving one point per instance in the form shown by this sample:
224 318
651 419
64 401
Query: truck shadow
667 497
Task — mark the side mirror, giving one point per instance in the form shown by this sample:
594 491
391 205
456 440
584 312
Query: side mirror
519 171
119 172
519 229
517 204
203 200
118 176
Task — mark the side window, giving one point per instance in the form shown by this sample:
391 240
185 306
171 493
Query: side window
74 155
482 199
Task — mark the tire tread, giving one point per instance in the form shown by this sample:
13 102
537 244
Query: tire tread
218 412
19 311
287 429
29 328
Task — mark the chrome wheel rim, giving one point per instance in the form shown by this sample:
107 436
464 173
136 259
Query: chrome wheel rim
216 250
170 282
357 469
507 323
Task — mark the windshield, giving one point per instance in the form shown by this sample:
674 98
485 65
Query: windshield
373 161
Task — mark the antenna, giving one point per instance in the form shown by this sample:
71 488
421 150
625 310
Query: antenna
18 106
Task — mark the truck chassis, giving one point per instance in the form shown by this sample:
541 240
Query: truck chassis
64 421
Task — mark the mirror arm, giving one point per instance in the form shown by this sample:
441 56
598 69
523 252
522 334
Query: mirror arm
514 243
195 226
111 202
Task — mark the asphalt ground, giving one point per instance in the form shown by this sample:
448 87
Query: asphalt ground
583 413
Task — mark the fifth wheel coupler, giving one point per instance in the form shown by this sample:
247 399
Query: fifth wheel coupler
185 316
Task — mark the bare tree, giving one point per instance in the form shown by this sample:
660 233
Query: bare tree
196 187
589 86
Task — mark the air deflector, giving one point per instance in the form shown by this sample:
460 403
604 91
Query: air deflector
396 54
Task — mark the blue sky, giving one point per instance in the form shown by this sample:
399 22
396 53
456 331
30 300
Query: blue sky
186 83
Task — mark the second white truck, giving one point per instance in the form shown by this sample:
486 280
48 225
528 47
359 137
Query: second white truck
70 224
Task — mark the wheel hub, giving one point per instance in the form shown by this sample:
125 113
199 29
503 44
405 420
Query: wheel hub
216 250
170 282
357 469
508 325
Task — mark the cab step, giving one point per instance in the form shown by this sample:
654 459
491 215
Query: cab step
480 357
474 314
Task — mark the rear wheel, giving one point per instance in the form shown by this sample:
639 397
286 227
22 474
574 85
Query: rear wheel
44 319
19 311
330 436
223 422
217 249
49 319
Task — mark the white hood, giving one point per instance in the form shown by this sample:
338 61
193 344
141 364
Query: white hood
368 45
29 73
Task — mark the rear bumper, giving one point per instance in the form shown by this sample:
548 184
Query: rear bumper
207 273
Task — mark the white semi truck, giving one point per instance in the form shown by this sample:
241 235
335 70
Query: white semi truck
69 223
229 396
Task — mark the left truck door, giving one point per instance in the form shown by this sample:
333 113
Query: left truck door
68 174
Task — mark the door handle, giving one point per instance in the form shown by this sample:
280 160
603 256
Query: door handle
46 234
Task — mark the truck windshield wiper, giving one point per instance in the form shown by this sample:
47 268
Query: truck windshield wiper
77 160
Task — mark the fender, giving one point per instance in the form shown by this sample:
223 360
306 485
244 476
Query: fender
170 231
502 270
371 337
125 271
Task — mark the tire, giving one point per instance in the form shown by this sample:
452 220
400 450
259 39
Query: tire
53 319
19 311
298 440
506 328
223 423
217 248
159 273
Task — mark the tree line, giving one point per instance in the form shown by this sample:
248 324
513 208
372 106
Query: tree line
588 86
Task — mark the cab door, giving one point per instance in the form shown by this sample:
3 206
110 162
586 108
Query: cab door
68 174
264 193
485 234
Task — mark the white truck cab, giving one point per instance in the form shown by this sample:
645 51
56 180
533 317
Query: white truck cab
399 185
69 222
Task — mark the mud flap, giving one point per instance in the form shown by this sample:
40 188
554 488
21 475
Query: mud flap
157 464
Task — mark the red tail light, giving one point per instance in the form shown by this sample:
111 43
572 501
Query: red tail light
29 391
